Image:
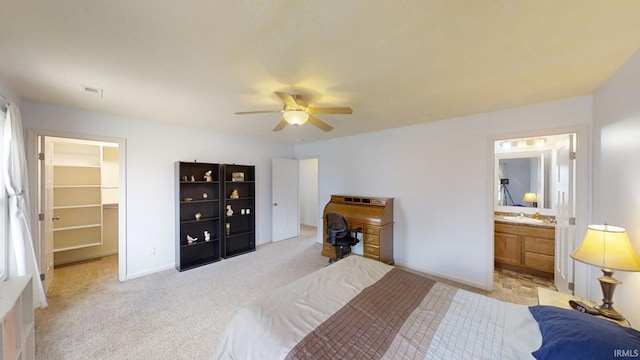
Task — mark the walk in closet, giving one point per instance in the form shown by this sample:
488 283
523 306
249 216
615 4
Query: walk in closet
84 198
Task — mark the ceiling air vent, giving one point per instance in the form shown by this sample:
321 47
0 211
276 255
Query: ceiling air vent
92 91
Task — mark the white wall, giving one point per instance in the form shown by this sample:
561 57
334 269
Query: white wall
438 173
7 92
151 150
308 175
616 172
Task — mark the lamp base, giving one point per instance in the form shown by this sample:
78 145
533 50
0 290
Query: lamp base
610 313
608 284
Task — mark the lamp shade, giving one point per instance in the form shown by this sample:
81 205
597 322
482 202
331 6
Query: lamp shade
607 247
530 197
295 117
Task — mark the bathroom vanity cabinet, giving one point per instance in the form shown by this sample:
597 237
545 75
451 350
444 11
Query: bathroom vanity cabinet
525 248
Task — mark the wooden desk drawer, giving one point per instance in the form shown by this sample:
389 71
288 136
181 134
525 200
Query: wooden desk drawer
540 246
372 250
371 239
539 261
371 230
373 257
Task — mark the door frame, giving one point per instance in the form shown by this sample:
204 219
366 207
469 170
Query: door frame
33 164
318 203
582 273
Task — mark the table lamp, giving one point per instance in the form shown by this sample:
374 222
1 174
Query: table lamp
608 247
530 198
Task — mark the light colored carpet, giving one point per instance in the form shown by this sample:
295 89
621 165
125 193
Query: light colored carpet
167 315
171 315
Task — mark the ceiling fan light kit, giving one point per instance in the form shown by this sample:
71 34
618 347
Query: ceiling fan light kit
296 112
295 117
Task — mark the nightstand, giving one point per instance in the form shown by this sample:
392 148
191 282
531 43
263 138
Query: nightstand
561 300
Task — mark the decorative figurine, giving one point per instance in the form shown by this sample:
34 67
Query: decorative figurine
235 194
188 199
191 240
198 216
208 177
207 236
184 178
237 176
248 211
228 228
205 195
193 178
229 210
242 211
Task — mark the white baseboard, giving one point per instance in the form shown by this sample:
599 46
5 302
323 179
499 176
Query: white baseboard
150 271
444 276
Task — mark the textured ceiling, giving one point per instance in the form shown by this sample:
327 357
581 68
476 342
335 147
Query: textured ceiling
395 63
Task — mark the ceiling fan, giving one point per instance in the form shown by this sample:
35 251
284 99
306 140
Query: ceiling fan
295 111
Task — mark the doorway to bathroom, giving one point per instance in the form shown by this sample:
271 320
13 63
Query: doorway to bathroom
535 206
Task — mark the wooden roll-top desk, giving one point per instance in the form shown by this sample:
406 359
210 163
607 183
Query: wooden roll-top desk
372 216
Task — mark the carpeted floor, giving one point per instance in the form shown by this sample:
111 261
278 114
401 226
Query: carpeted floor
167 315
172 315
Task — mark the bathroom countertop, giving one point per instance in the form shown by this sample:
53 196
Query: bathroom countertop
544 224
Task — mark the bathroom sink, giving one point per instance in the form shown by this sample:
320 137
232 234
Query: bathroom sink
524 220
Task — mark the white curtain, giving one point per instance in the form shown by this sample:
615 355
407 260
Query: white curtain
22 257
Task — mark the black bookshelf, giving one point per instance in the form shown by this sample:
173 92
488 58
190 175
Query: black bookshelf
197 211
239 191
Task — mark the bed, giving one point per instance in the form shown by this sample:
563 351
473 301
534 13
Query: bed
358 308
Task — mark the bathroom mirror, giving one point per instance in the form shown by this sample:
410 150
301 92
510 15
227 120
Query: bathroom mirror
527 165
519 174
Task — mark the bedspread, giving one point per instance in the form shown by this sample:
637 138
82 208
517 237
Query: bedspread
363 309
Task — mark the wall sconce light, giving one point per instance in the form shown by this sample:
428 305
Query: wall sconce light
523 143
540 142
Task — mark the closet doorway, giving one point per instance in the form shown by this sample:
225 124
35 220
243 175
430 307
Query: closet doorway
78 201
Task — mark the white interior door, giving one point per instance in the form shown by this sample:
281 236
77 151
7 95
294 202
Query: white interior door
284 194
565 227
46 232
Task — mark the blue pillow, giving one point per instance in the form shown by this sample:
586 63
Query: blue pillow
570 334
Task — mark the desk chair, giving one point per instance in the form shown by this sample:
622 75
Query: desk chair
339 234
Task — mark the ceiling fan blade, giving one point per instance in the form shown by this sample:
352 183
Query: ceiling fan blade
258 112
287 99
319 123
330 110
280 125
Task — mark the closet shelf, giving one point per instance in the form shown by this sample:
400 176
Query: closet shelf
88 226
55 250
76 206
77 166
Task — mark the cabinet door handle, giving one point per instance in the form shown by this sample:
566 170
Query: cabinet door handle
55 218
275 204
